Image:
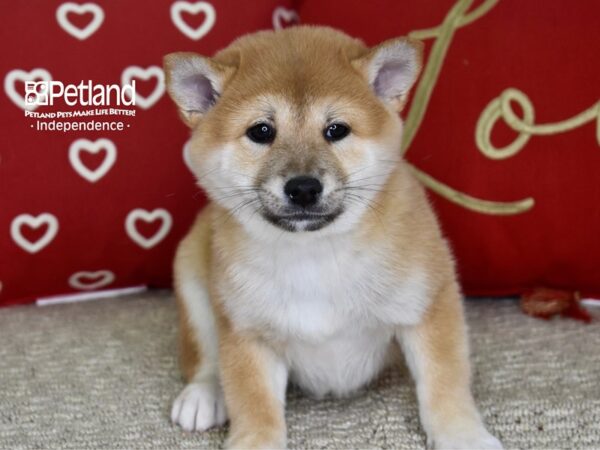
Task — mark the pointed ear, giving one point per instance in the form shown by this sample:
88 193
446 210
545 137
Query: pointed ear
194 83
391 68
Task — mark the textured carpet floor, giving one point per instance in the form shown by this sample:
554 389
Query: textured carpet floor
103 374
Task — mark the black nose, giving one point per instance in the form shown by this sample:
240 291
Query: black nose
303 191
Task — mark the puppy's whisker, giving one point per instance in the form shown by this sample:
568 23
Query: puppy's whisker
377 189
241 194
228 189
368 202
361 188
202 176
223 170
393 161
239 209
235 210
240 186
358 200
377 175
347 176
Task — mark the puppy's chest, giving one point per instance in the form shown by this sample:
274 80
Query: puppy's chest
315 293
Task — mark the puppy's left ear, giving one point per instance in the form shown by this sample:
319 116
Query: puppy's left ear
391 68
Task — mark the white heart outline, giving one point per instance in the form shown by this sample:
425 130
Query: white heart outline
33 222
107 277
23 75
193 8
283 13
90 28
145 74
86 145
148 216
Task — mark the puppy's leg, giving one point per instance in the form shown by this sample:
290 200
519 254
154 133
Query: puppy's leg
201 404
254 380
437 353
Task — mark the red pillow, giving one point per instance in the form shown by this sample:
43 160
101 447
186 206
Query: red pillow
87 210
98 210
513 118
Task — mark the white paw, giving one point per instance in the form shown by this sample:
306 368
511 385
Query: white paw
475 440
200 406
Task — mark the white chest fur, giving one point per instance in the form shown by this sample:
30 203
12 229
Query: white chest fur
332 305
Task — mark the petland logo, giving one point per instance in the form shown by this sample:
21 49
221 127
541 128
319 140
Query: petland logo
44 93
95 106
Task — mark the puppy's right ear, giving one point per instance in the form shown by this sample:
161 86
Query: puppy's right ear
194 83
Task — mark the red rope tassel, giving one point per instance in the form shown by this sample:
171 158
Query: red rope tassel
545 303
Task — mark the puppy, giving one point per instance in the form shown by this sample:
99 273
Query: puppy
319 253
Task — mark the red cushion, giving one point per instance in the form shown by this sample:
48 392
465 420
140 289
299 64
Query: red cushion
548 51
71 218
111 219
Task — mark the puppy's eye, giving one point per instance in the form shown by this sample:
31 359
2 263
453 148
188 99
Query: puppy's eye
261 133
336 132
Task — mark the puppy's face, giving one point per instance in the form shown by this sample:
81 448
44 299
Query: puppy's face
296 129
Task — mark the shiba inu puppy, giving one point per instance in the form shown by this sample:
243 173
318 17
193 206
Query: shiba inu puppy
319 253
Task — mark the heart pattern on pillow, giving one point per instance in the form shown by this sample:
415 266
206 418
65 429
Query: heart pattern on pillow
85 145
284 17
75 31
210 17
148 216
88 281
34 222
156 72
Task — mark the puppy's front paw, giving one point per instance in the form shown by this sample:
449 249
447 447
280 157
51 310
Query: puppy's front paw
473 440
200 406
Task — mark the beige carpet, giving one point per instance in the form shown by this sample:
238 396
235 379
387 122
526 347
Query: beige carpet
102 375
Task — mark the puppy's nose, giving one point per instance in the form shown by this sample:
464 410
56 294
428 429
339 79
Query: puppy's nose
303 191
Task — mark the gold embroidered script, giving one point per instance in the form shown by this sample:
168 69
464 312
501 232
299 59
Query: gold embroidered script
459 16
